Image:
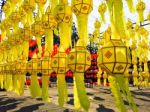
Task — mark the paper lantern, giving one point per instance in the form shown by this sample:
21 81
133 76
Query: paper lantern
114 57
15 17
63 13
59 63
44 65
79 59
26 32
28 5
48 20
33 65
82 6
36 28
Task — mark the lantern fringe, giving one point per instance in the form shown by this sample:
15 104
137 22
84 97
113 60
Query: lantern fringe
119 18
81 91
65 35
99 76
1 81
126 92
102 14
140 16
45 95
146 74
135 75
62 89
83 29
35 89
9 82
130 5
77 104
117 95
105 78
39 46
21 81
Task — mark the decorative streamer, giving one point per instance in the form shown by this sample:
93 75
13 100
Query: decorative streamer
105 78
99 74
125 89
130 5
116 92
35 89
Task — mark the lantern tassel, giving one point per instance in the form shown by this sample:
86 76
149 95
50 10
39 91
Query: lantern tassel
83 29
35 89
126 92
76 98
117 95
45 95
130 5
105 78
49 40
65 35
81 91
62 89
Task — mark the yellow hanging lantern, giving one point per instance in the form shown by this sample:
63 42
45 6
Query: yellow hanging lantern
81 57
114 56
38 31
110 58
63 16
102 9
49 24
33 67
29 7
140 7
45 68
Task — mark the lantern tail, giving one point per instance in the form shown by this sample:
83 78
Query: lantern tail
1 81
117 95
26 49
81 91
126 92
62 89
102 14
130 5
39 46
65 35
83 29
119 18
21 81
9 82
45 95
15 83
140 16
49 40
35 89
76 98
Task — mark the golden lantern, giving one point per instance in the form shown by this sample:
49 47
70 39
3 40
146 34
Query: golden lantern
79 59
33 67
38 31
44 65
48 20
114 57
63 16
49 24
81 8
